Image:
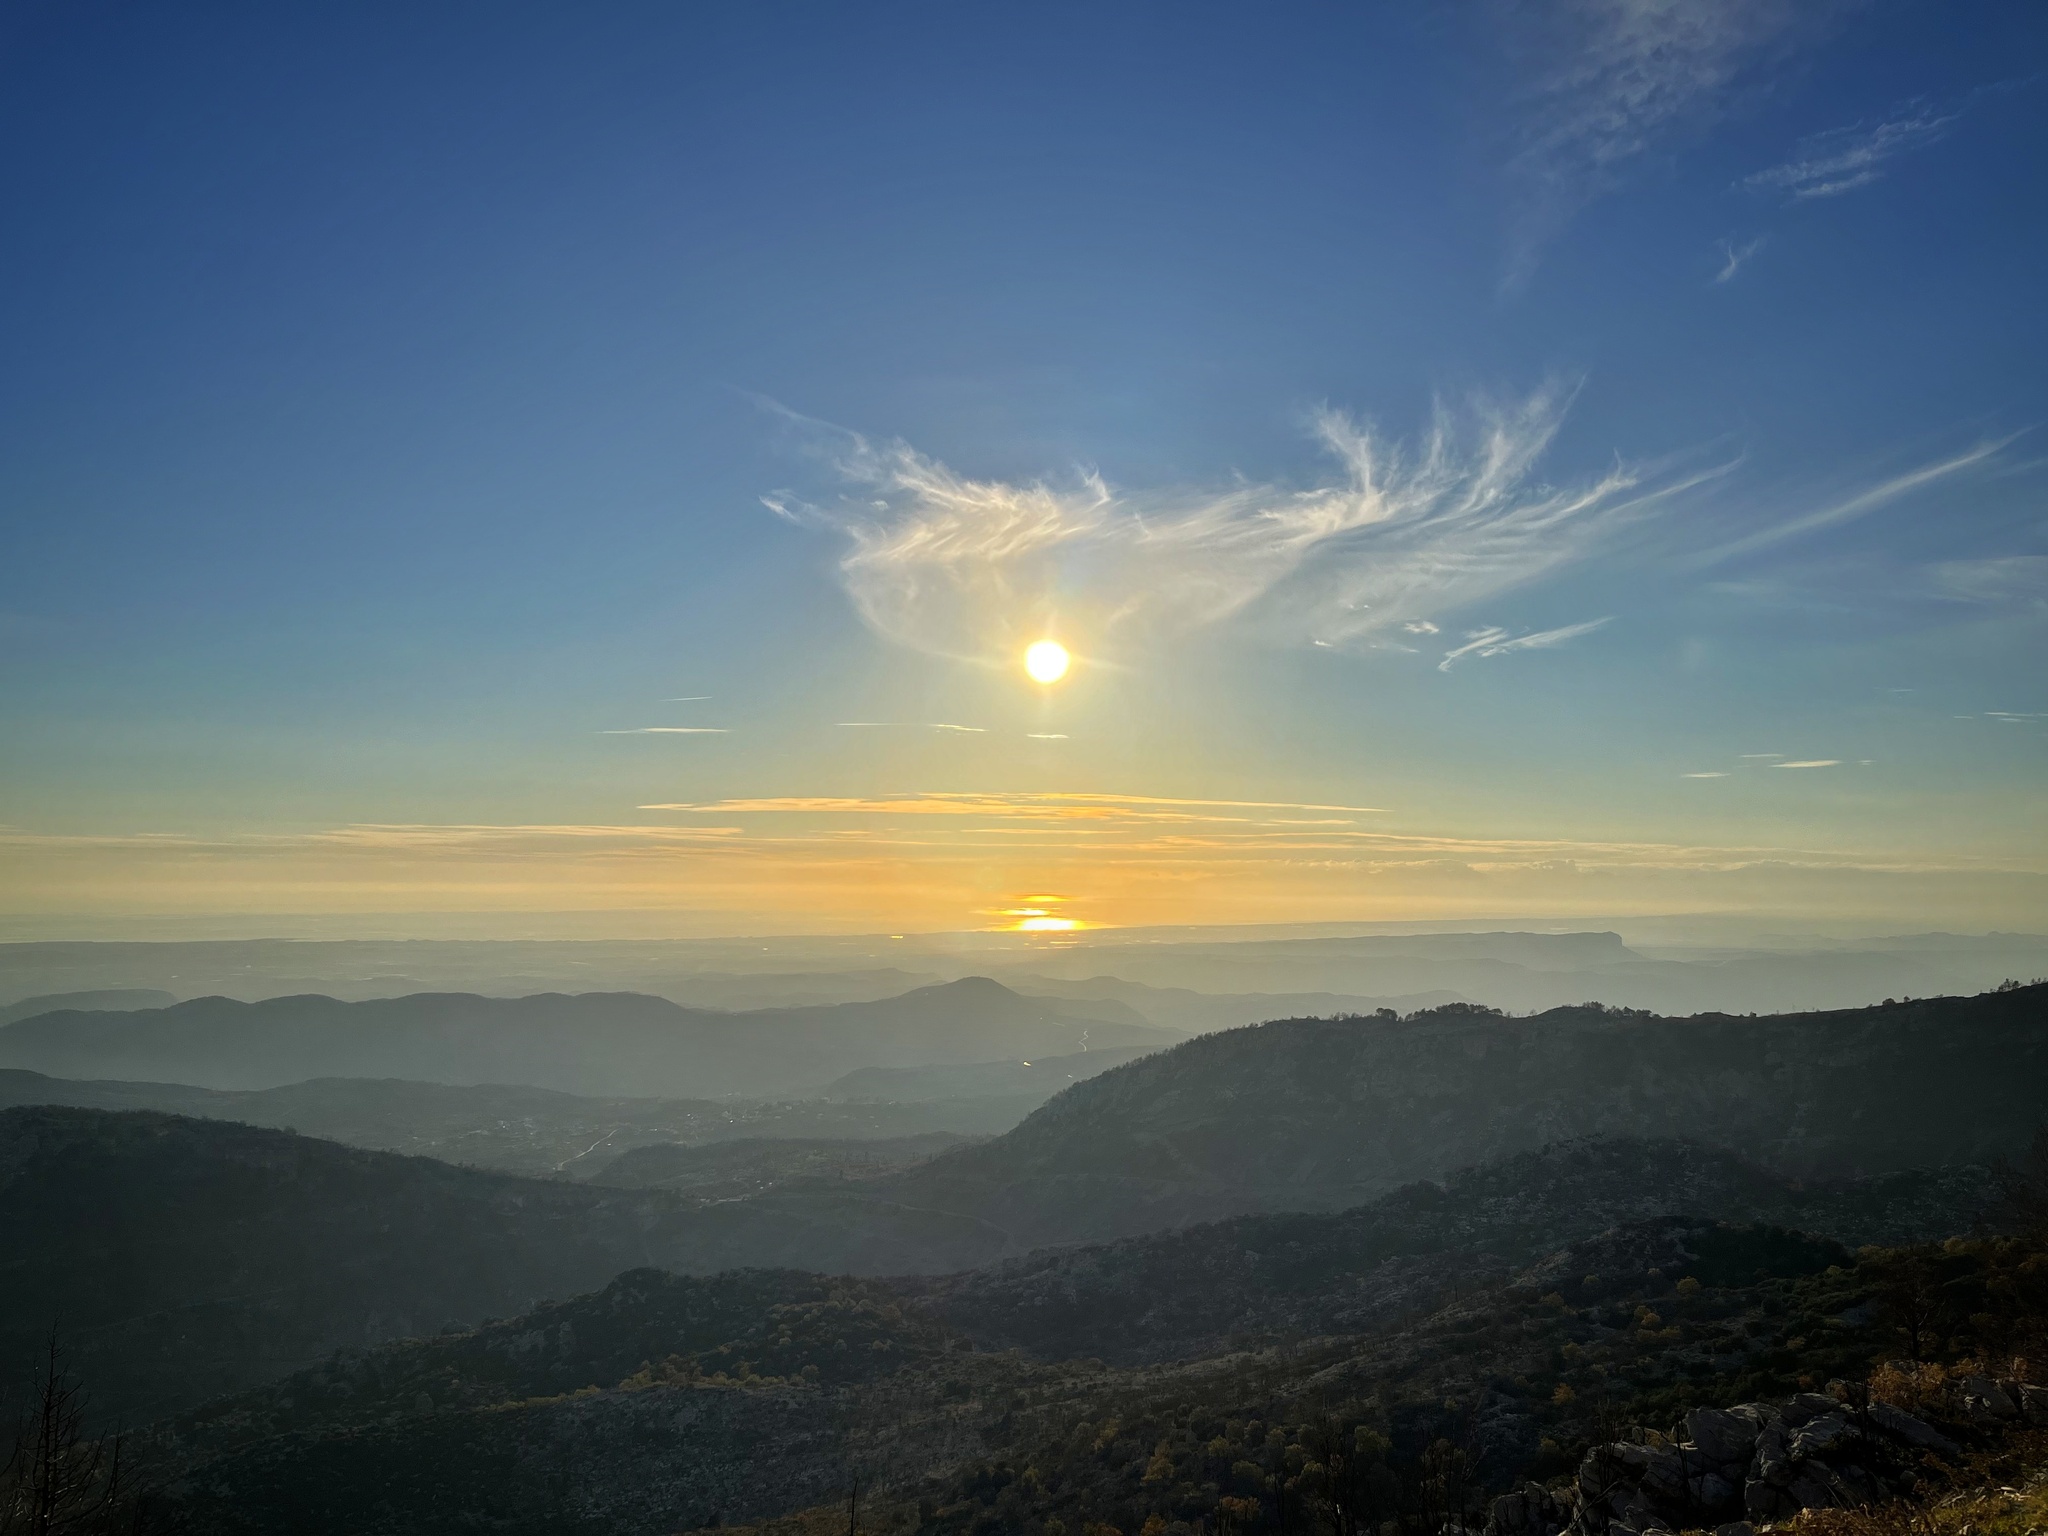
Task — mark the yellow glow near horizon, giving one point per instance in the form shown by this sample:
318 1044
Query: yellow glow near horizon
1048 925
1047 661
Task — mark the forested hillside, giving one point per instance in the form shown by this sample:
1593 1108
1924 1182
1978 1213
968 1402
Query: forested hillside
1320 1114
183 1258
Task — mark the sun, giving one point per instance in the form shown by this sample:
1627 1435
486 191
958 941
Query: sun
1047 661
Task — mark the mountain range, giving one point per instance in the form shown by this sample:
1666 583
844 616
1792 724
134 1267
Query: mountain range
1320 1114
111 1000
1191 979
535 1131
666 1402
592 1043
268 1247
183 1258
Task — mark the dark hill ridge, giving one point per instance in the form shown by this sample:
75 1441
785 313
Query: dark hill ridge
1172 1296
184 1258
181 1258
111 1000
656 1405
748 1324
1321 1114
749 1165
1255 1280
533 1131
601 1043
617 1412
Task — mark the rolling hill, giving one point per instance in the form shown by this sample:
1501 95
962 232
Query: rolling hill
663 1403
1321 1114
522 1130
593 1043
182 1258
1253 1281
1033 1081
727 1170
269 1248
111 1000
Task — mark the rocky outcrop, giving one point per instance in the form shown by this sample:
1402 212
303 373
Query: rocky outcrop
1758 1463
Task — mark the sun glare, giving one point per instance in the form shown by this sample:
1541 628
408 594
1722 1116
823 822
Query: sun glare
1048 925
1046 661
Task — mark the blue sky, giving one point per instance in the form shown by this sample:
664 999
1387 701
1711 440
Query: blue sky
396 403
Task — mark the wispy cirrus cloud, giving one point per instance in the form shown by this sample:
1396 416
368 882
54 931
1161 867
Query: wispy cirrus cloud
892 725
1861 503
1843 159
2001 579
1735 257
1615 78
1043 806
1493 641
1223 836
977 568
485 837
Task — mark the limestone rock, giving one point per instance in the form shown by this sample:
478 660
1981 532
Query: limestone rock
1531 1510
1762 1461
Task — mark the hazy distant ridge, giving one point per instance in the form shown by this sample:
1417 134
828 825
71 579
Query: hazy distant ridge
595 1043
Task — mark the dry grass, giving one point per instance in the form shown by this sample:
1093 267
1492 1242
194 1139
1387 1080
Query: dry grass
1999 1493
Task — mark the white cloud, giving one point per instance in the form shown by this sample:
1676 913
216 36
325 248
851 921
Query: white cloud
1812 762
2002 579
1863 502
978 568
1735 257
1842 159
670 730
884 725
1620 76
1419 627
1716 774
1495 642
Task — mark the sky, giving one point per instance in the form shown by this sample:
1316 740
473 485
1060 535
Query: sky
1483 460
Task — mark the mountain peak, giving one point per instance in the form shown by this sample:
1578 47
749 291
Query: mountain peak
969 988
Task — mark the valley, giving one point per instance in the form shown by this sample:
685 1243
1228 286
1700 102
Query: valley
931 1275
